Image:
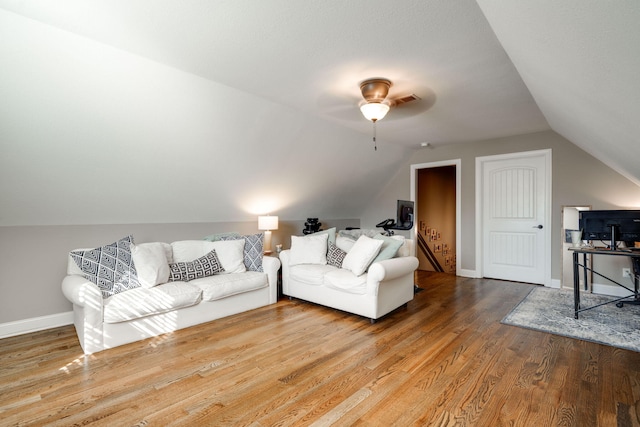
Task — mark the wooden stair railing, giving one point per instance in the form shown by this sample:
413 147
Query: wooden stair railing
424 247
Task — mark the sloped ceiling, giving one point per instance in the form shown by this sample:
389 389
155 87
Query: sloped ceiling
259 98
312 55
580 60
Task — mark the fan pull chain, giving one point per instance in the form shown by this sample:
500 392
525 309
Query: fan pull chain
375 144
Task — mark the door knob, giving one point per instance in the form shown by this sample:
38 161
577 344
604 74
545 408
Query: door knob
539 226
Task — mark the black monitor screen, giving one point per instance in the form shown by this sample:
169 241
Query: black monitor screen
599 225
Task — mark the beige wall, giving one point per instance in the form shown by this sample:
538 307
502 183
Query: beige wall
578 179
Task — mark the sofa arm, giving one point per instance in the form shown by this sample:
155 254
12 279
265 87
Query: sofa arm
271 265
82 292
393 268
87 311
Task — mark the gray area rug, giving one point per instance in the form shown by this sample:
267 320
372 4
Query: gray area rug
551 310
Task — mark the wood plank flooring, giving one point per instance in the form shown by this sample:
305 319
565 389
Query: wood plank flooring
444 360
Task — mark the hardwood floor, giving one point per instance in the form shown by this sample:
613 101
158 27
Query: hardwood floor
444 360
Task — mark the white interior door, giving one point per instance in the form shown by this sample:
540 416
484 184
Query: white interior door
515 217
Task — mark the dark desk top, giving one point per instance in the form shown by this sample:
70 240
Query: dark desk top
631 252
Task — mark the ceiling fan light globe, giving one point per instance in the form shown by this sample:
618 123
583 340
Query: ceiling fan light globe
374 111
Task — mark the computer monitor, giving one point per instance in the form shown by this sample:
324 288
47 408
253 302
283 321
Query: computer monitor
404 216
612 225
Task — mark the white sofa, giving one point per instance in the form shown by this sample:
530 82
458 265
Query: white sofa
160 307
385 286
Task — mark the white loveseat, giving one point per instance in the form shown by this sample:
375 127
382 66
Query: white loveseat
383 286
158 306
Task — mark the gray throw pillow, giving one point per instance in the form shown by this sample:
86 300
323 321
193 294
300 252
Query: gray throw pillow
205 266
110 267
335 255
253 250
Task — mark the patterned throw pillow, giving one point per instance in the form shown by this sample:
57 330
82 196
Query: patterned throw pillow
110 267
335 255
253 250
205 266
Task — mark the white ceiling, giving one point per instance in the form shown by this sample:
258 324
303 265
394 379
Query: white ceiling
484 69
312 55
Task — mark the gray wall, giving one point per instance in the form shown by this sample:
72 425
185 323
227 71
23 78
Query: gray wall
578 179
33 258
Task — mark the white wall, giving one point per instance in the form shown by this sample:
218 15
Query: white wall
93 135
97 143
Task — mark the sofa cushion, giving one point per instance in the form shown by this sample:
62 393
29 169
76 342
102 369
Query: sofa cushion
311 274
361 254
388 249
142 302
204 266
110 267
217 287
311 249
150 260
230 252
335 255
346 281
253 250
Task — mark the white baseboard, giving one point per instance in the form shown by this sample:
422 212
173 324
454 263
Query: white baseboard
555 283
607 289
35 324
468 273
613 290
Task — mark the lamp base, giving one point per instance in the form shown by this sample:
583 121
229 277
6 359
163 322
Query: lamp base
267 243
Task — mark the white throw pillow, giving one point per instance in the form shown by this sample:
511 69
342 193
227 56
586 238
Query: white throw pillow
231 255
188 250
361 254
151 264
310 249
404 249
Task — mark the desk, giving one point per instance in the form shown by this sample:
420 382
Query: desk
635 259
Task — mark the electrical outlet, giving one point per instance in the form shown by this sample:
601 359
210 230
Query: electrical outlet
626 272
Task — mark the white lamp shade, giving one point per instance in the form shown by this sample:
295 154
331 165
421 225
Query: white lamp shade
267 222
374 111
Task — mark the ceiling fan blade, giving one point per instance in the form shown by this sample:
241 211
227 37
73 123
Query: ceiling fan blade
339 106
399 100
411 105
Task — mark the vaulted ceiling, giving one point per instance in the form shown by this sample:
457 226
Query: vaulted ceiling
483 69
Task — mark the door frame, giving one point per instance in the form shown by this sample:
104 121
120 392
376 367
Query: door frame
480 222
414 198
567 255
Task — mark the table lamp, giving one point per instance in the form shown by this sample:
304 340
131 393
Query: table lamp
267 223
